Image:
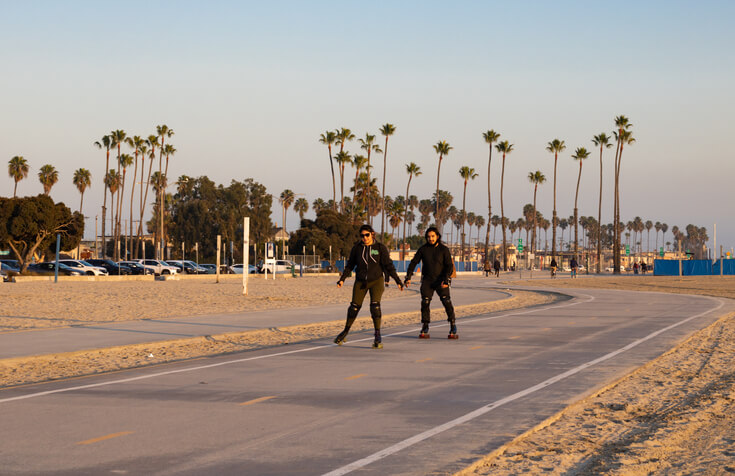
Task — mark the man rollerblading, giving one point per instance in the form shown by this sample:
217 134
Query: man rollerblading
436 275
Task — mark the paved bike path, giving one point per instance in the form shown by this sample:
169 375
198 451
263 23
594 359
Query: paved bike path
95 336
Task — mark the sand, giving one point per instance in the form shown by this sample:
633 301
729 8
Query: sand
674 415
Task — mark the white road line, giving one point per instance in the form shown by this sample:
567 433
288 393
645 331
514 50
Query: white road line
491 406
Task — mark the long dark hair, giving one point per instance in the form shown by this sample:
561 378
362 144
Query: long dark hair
436 231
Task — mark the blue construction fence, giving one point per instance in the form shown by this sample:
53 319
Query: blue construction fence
693 267
402 266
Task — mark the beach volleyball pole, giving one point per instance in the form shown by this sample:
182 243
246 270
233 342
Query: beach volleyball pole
219 245
245 254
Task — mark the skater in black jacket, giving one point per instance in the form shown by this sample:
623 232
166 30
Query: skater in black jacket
436 276
373 262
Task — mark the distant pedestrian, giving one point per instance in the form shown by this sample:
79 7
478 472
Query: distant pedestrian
487 267
436 276
373 262
573 265
496 267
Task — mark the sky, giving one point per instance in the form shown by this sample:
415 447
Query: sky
248 87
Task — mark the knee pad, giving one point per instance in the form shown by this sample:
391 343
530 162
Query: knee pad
447 301
353 310
425 302
375 310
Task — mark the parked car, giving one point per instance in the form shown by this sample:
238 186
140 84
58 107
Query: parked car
187 266
159 267
610 269
314 268
210 268
138 268
11 262
89 269
48 268
281 266
237 269
111 267
8 270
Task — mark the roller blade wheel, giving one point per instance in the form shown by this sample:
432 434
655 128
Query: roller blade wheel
453 332
424 332
452 336
377 345
340 339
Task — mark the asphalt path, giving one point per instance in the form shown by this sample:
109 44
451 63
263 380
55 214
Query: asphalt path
95 336
415 407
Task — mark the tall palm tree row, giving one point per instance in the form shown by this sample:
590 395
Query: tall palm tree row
580 154
386 130
504 148
490 138
556 146
467 174
536 178
82 179
17 170
603 141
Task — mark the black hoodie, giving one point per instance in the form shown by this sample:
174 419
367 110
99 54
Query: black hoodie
371 262
436 263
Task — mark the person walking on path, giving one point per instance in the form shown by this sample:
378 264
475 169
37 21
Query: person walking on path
573 265
436 276
487 267
373 262
496 267
553 267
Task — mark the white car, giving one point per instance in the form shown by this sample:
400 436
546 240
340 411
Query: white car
282 266
610 269
83 266
158 266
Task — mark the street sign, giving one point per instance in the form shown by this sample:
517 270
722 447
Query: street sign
661 252
520 248
520 244
627 250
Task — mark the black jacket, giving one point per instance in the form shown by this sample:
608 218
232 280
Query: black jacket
372 262
436 263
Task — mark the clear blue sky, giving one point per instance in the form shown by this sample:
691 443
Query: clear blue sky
248 88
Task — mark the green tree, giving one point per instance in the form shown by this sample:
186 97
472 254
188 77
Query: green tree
603 141
17 170
30 224
48 176
286 199
467 174
555 147
536 178
329 138
387 130
442 148
490 137
301 206
412 170
504 148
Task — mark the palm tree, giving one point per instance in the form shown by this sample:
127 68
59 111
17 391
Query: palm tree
125 161
82 179
359 161
467 174
137 143
387 130
602 140
301 206
490 138
555 147
17 170
286 199
535 178
152 142
648 225
442 148
563 224
343 135
48 176
318 205
342 158
580 154
479 223
504 148
112 181
622 136
328 138
367 144
162 131
412 170
106 143
664 229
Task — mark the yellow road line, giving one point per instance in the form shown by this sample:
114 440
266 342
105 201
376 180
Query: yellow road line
514 337
103 438
258 400
476 347
424 360
355 376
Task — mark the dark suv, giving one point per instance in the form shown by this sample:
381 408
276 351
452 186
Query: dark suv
112 268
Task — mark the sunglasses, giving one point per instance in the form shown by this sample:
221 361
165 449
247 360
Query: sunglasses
364 234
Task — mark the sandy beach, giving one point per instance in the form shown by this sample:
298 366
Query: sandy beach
675 414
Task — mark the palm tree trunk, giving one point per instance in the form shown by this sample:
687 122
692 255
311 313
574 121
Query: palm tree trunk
367 191
535 223
438 171
132 195
145 199
385 162
354 195
81 202
553 218
405 215
502 216
334 186
599 221
576 219
104 204
489 204
464 198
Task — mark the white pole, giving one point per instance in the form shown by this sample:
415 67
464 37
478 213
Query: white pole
219 244
245 254
714 248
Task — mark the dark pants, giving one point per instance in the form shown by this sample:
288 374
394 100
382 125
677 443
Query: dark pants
360 289
428 289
